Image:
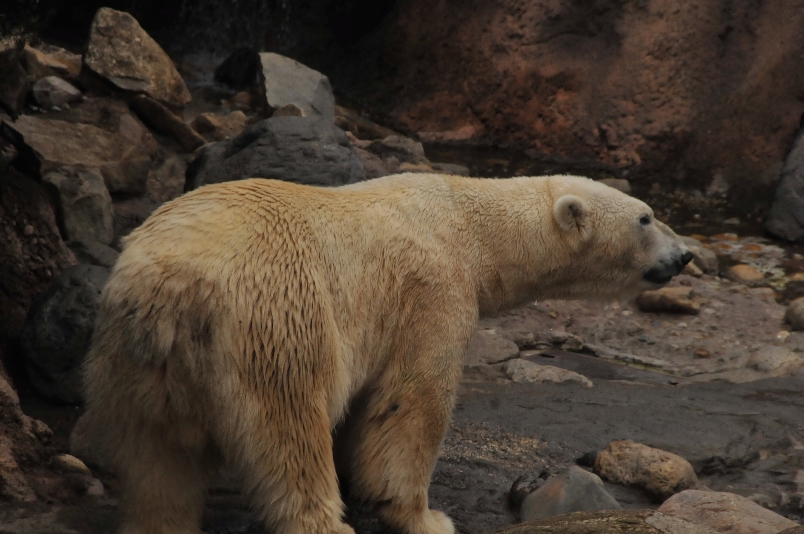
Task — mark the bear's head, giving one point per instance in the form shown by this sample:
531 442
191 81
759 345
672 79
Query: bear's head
620 248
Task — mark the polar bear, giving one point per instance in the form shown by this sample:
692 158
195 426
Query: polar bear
244 320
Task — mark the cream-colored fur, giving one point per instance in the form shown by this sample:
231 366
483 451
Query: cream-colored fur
243 318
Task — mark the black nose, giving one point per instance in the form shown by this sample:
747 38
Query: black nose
686 258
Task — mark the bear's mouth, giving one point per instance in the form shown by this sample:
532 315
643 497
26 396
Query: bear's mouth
662 275
654 276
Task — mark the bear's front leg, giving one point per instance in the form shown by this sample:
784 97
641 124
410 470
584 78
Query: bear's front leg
397 427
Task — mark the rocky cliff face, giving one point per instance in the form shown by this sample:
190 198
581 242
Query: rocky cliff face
707 93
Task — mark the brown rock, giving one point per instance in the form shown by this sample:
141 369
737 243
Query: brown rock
668 300
15 84
52 91
795 314
659 472
610 522
525 371
745 274
163 120
166 181
351 121
725 512
50 144
486 346
120 51
214 127
289 110
32 252
618 183
49 61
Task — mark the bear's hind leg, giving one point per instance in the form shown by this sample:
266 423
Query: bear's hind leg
164 483
288 469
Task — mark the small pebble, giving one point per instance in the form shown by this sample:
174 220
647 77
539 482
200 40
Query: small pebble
28 230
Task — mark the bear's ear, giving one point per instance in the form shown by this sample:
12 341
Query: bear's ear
572 214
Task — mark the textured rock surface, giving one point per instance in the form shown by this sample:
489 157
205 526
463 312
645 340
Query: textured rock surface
120 51
725 512
644 84
668 300
304 150
610 522
46 145
163 120
32 252
523 371
85 206
659 472
786 217
57 332
487 346
575 490
215 127
52 91
286 81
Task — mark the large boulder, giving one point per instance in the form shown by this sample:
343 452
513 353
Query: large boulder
120 51
32 252
285 81
610 522
786 217
304 150
58 330
724 512
47 145
85 204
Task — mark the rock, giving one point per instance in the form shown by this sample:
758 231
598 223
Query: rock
32 252
486 346
160 118
120 51
799 529
724 512
405 150
290 110
82 445
703 258
67 463
50 60
85 204
524 486
575 490
745 274
15 84
94 253
285 81
166 181
452 168
785 219
659 472
214 127
351 121
524 371
668 300
776 361
52 91
129 213
239 70
57 332
618 183
610 522
13 484
305 150
692 270
47 145
795 314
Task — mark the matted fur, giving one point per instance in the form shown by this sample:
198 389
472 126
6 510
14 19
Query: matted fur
243 318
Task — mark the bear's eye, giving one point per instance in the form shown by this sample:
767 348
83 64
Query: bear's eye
644 220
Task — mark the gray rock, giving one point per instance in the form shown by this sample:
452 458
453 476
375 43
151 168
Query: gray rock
575 490
487 347
120 51
705 259
303 150
214 127
85 204
47 145
57 332
285 81
404 149
786 216
52 91
166 181
795 314
94 253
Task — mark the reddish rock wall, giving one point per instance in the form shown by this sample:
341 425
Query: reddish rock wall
699 92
